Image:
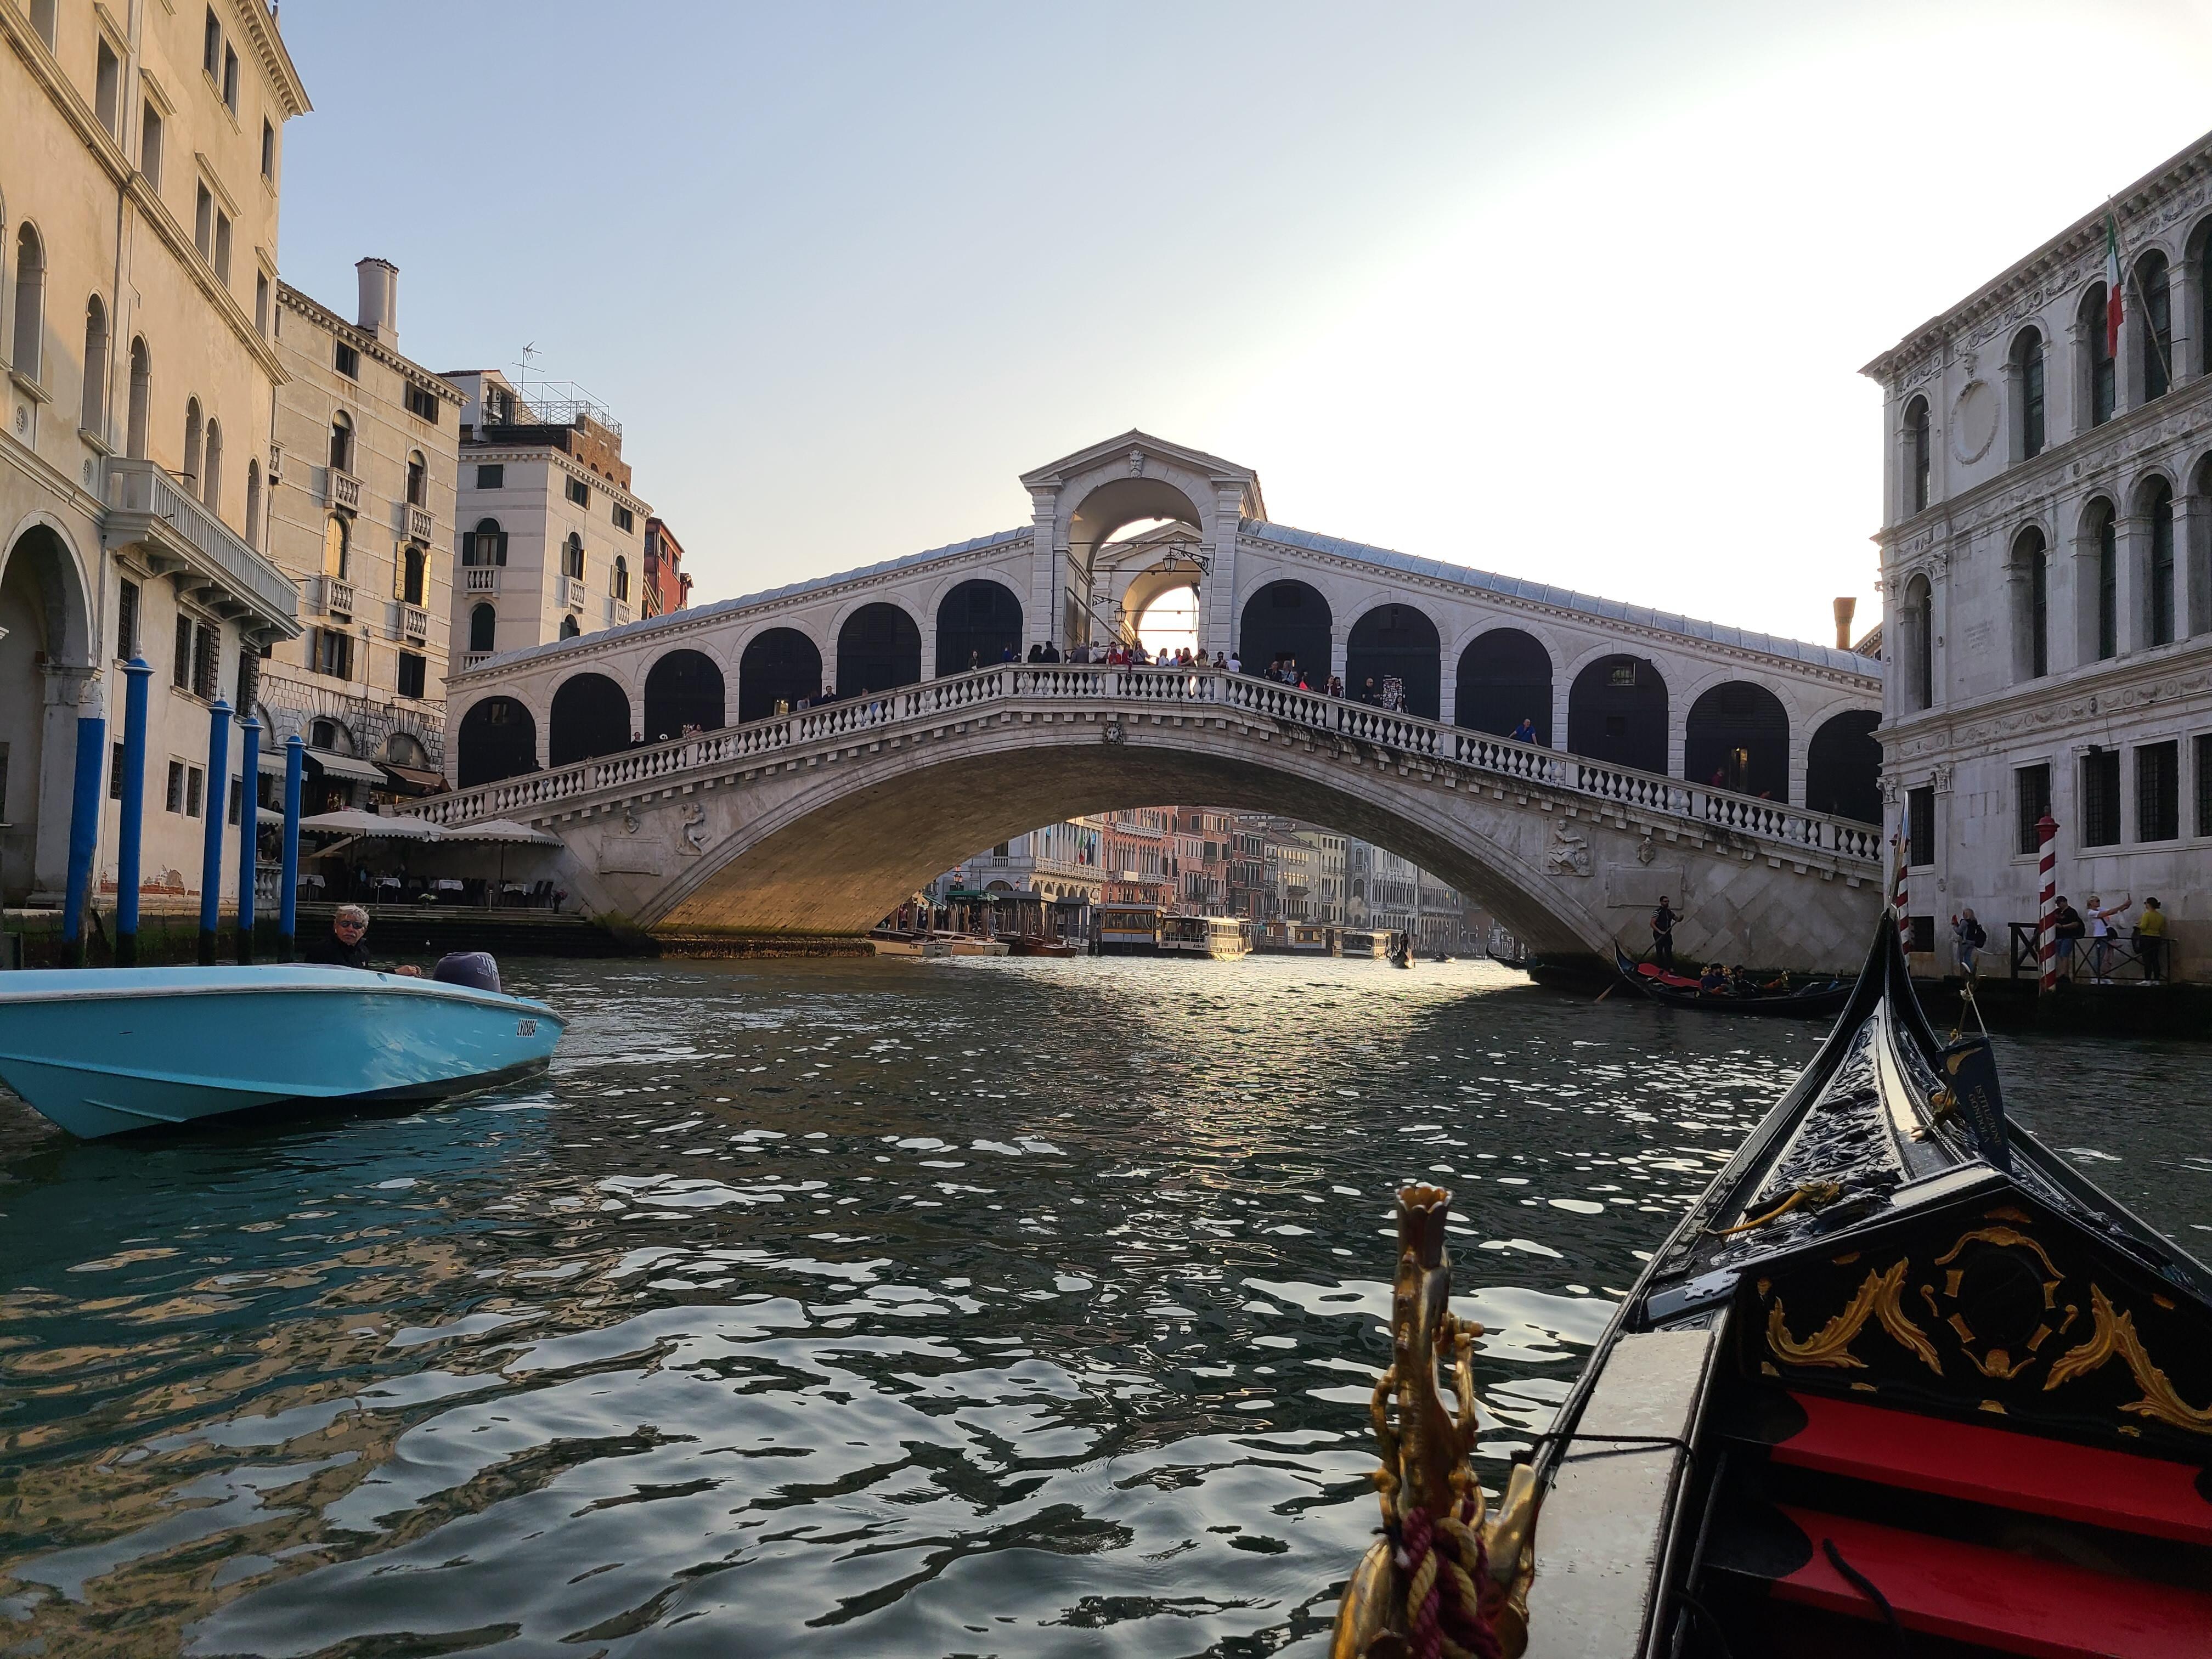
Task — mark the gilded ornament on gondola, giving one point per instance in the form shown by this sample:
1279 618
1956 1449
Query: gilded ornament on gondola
1879 1297
1444 1578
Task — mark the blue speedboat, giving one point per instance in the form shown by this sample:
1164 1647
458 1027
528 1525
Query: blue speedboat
101 1051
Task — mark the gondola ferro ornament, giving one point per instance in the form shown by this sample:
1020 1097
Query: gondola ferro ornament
1445 1580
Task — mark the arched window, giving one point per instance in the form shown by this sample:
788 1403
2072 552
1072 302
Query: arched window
621 577
2031 562
253 503
2107 529
483 627
30 302
2158 507
142 398
2100 374
778 664
1505 679
1617 713
683 691
341 443
590 716
1919 645
2152 292
194 432
485 545
2027 392
978 624
331 735
1395 642
571 556
212 468
1287 622
879 647
1737 738
336 542
92 414
1917 455
418 480
413 564
1843 767
568 629
497 739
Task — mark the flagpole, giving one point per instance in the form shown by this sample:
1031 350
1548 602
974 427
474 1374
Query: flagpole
2127 276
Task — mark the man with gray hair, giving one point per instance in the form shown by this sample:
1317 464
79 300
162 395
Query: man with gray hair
346 944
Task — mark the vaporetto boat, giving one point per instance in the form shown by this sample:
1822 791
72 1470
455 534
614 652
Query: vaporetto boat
104 1051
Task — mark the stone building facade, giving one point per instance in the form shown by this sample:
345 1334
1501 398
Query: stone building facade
2046 557
364 465
140 158
552 542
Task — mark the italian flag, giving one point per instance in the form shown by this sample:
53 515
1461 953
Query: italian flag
2113 309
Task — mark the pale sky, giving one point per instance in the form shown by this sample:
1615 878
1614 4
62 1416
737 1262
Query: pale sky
1573 292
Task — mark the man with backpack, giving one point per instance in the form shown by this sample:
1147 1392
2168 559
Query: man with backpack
1972 938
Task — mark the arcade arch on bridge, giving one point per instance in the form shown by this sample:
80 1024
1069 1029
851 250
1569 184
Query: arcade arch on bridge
979 623
780 665
590 718
1505 677
1843 767
878 648
1396 641
497 739
1287 618
1617 712
682 692
1737 738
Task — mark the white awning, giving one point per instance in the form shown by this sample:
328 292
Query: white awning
345 766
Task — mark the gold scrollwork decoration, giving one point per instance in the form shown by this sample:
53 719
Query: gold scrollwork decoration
2115 1334
1879 1297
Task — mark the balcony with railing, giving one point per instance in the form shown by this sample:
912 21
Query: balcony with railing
474 659
341 490
148 509
335 595
617 612
480 579
414 624
572 592
420 524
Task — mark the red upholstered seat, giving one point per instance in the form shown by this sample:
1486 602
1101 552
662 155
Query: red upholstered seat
2015 1603
2001 1467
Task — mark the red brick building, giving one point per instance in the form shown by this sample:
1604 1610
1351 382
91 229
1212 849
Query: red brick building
667 588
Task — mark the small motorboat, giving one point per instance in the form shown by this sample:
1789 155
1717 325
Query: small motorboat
1901 1381
104 1050
1029 945
1820 999
889 943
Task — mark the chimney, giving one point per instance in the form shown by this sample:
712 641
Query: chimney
1846 608
380 299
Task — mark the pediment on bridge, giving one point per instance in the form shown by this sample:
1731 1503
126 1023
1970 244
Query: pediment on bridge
1135 453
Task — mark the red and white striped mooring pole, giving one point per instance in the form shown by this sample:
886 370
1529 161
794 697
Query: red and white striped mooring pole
2046 916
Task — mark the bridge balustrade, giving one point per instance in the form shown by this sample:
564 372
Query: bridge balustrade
982 688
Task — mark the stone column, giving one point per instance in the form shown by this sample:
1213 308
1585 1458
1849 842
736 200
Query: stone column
1216 622
1041 611
1678 736
1340 636
2188 349
2073 640
2192 559
1562 696
2131 598
1447 687
2127 378
2073 380
1800 748
66 687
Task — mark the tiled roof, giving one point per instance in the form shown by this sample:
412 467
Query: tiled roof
1563 598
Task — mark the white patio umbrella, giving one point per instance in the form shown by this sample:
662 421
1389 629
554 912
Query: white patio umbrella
499 829
372 826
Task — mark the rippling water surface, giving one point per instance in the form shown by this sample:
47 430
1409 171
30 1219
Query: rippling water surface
979 1307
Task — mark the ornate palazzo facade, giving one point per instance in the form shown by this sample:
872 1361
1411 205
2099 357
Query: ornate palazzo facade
2047 576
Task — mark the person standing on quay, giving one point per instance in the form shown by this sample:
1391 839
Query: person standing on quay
2101 933
1972 936
2150 939
2066 924
1662 934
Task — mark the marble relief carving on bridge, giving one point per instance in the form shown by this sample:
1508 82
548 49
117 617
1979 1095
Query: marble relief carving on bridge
1734 771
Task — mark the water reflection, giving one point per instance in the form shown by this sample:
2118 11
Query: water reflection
1007 1306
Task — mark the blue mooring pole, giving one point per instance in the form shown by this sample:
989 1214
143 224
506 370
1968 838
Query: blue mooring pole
84 816
136 672
249 829
218 778
287 895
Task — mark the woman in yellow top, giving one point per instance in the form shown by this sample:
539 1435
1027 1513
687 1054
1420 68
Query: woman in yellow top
2150 939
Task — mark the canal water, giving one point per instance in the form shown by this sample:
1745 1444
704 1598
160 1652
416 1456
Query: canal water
1008 1307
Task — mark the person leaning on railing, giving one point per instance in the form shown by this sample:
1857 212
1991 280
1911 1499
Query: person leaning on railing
2150 939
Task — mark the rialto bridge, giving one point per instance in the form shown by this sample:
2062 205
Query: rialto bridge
696 794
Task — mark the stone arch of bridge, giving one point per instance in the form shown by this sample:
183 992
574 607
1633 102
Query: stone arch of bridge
977 618
1619 709
1506 675
1287 616
817 860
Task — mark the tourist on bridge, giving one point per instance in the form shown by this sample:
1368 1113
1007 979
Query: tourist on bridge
2150 939
1526 731
1662 934
1235 663
1336 686
1051 652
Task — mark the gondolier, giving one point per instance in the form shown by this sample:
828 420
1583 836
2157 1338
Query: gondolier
1662 934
